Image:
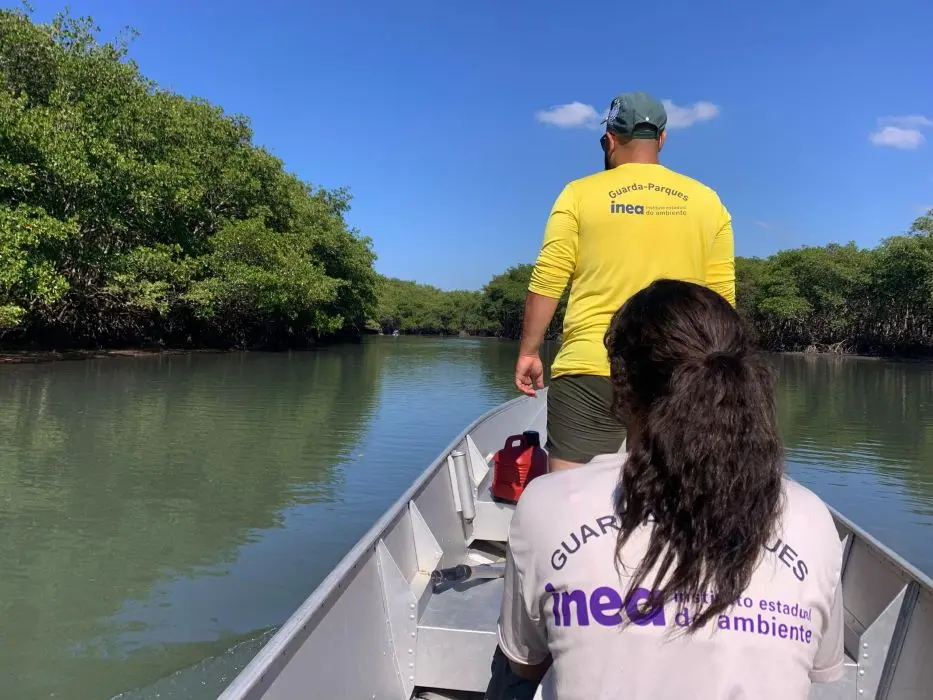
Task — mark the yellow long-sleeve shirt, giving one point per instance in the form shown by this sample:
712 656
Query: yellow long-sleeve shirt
613 233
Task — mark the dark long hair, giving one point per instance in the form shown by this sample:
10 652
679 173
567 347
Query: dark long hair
705 460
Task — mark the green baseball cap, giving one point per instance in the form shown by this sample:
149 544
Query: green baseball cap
632 110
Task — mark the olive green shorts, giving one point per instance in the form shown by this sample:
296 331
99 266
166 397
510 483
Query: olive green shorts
580 424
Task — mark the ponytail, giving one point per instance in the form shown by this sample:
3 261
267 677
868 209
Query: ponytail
705 461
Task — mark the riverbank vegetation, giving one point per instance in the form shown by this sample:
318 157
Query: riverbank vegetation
833 298
844 299
133 217
495 310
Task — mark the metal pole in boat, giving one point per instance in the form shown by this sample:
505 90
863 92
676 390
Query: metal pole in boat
464 485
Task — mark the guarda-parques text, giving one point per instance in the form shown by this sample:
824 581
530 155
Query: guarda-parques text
650 187
605 524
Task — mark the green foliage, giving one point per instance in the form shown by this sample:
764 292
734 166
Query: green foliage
842 298
129 214
504 299
410 307
802 296
504 302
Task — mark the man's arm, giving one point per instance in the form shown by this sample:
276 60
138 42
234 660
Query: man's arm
553 268
539 310
720 267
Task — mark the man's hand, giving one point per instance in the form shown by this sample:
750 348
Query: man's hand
529 374
529 371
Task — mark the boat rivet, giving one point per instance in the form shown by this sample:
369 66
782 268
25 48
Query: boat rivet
411 651
411 678
411 617
411 665
413 634
861 671
411 606
864 656
864 645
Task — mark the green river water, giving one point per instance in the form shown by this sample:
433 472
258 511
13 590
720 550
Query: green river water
161 516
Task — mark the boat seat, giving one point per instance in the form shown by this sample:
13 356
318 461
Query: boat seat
457 636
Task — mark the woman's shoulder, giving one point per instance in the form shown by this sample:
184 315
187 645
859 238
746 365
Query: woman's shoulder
552 498
807 524
803 505
575 485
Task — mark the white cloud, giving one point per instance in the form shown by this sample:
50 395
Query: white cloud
682 117
896 137
901 132
763 224
578 115
570 116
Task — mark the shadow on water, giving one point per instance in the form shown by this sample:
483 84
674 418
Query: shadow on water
162 517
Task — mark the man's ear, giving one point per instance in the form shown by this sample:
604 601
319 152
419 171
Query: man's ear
661 140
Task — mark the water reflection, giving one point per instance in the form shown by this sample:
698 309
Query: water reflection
130 487
860 433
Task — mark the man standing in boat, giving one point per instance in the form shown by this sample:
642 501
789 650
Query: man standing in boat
610 235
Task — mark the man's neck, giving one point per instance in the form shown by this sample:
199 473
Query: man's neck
644 158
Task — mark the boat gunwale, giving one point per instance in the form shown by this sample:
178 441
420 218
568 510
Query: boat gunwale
253 672
912 571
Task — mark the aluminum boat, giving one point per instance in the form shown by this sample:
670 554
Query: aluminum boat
378 628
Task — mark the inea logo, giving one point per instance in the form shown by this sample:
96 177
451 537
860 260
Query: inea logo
620 208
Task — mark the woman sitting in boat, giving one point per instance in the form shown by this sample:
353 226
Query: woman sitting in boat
689 566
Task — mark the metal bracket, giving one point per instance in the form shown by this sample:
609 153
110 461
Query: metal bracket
401 616
881 642
478 466
846 551
427 550
910 595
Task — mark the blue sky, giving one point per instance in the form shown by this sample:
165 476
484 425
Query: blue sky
813 121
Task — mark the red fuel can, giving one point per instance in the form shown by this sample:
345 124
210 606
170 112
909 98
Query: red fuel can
516 464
